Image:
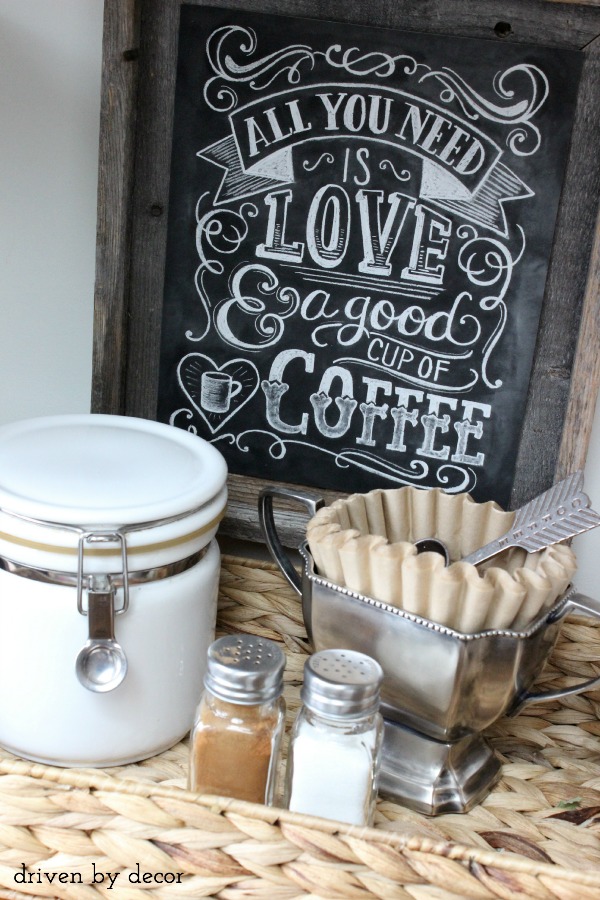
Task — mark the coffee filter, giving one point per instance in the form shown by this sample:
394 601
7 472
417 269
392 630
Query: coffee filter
365 542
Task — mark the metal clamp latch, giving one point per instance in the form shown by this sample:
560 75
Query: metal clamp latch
101 537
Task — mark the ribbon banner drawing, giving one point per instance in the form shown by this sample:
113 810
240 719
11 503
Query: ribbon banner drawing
462 168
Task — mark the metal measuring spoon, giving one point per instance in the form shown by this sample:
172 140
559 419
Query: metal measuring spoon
101 663
560 513
433 545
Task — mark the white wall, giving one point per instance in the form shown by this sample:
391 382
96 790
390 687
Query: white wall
50 58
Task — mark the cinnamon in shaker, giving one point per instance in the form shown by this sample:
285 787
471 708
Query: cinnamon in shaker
236 737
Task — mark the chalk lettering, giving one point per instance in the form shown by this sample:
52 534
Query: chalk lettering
437 135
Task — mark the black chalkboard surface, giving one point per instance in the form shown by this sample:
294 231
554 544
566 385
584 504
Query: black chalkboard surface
360 224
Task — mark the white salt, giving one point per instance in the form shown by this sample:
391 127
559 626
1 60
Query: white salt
332 774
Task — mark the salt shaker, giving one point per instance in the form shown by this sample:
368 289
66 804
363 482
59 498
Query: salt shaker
236 738
335 744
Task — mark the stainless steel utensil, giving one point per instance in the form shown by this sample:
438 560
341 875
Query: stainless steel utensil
560 513
101 663
433 545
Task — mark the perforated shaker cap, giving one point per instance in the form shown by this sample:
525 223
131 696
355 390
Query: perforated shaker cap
245 669
341 683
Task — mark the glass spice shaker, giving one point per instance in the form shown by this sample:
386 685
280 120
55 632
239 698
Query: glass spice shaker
236 738
336 740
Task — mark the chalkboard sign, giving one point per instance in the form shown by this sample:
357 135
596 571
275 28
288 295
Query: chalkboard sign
360 225
139 74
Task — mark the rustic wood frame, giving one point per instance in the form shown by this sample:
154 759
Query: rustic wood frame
138 81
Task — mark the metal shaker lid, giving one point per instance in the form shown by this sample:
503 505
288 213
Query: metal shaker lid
341 683
245 669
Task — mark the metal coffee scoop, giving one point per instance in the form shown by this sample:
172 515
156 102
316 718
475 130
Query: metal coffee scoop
560 513
101 664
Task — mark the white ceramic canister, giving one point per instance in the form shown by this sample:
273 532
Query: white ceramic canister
106 522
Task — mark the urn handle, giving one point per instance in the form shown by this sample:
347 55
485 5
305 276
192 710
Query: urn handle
587 606
312 502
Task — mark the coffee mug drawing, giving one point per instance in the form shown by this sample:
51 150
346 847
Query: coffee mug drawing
217 390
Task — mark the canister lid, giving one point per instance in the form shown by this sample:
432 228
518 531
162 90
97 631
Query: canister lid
245 669
341 683
104 470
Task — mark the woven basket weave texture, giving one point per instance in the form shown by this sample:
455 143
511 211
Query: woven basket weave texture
537 835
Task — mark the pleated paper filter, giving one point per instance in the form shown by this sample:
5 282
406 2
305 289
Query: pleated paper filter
365 542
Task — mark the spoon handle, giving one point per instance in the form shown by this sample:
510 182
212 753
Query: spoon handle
489 550
101 615
558 514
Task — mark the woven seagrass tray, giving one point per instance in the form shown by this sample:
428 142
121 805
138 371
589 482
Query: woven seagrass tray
537 835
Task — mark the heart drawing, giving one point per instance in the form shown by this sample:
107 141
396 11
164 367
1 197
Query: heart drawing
217 392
